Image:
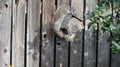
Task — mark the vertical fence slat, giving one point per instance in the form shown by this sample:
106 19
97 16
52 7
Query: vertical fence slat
90 40
5 32
103 47
61 53
76 45
115 56
61 46
61 2
115 60
47 58
18 33
33 33
103 50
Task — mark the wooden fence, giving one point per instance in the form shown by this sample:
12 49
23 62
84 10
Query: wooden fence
27 38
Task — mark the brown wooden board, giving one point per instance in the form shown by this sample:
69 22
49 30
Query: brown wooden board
77 44
18 33
47 57
90 40
33 33
61 45
5 32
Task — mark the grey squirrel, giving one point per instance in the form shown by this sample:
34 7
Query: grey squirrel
61 18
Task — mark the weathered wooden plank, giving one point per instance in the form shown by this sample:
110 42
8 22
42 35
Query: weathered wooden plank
5 31
103 50
103 47
76 52
33 33
115 56
61 2
115 60
76 45
61 53
18 33
47 58
61 45
90 40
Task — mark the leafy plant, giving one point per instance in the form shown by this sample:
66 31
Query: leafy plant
108 22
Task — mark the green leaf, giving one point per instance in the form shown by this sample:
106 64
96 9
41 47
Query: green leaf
94 7
116 45
98 15
90 24
111 27
94 25
105 29
87 15
110 39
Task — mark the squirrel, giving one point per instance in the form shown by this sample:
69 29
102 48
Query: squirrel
61 18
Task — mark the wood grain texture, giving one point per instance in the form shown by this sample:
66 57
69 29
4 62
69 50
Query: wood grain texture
61 53
47 57
103 47
33 33
63 2
90 40
42 49
18 33
62 45
103 50
115 60
5 32
76 45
